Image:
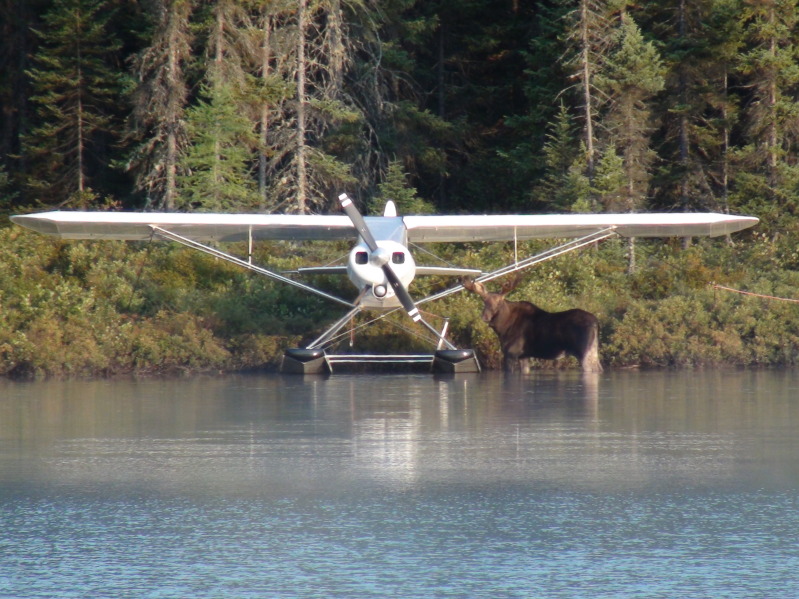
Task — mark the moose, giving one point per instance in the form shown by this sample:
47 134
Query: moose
526 331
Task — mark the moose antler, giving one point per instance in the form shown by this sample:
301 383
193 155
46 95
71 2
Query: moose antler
473 286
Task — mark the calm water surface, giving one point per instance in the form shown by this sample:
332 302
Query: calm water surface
623 485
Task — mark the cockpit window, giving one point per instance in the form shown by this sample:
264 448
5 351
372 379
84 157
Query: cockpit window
361 258
398 258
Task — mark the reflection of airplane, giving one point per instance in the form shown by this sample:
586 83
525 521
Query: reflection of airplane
380 264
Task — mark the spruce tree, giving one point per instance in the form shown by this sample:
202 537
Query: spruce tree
322 108
684 180
271 86
217 163
77 89
223 144
399 124
158 125
396 188
16 45
565 186
609 184
634 74
771 68
714 133
588 39
304 105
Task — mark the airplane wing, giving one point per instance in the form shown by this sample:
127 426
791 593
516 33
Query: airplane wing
199 226
506 228
239 227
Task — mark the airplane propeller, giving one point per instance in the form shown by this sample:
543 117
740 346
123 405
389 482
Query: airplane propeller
363 230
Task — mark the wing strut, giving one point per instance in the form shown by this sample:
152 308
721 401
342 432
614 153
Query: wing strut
334 328
567 247
196 245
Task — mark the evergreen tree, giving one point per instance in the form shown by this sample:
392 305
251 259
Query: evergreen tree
546 68
7 193
310 46
565 186
726 34
77 94
396 188
473 77
272 88
217 162
160 102
609 185
588 37
16 45
772 112
397 123
634 74
323 108
688 142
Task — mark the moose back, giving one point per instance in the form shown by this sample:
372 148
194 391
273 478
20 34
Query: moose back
526 331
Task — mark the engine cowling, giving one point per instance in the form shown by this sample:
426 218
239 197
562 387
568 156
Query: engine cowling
365 269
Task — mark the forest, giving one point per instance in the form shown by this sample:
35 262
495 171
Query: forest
475 106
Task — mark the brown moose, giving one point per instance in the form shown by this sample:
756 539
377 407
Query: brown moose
526 331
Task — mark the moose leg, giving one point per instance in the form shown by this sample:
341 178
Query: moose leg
510 363
524 365
590 360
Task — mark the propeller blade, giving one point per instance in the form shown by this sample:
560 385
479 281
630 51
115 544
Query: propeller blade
357 220
402 294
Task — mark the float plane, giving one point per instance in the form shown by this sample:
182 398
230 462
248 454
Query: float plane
380 264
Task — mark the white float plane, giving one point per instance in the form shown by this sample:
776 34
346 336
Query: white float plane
380 264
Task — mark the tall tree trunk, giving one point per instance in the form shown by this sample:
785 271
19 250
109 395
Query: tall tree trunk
174 82
442 181
725 144
266 70
683 123
587 96
302 173
338 53
159 103
773 137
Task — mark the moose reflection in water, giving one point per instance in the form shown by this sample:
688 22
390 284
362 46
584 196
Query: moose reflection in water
526 331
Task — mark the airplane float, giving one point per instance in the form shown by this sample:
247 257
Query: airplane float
380 264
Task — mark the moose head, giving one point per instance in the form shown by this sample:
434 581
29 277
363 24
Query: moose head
493 301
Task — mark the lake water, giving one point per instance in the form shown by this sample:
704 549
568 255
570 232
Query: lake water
626 484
